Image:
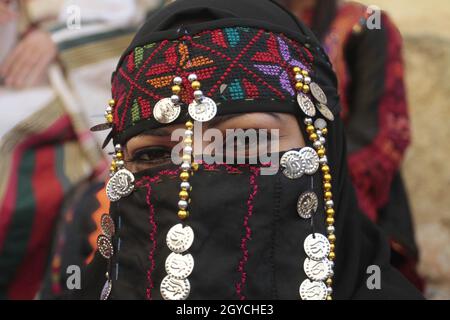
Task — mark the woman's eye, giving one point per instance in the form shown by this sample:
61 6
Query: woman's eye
151 155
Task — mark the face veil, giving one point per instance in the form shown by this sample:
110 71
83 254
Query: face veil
246 225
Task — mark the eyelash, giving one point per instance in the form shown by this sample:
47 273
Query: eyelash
155 155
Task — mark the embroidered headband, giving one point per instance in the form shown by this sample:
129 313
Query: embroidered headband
248 68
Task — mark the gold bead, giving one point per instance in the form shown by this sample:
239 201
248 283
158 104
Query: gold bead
310 129
119 155
321 152
330 221
188 141
109 118
189 125
187 157
331 212
194 166
313 137
176 89
112 103
184 176
184 195
305 73
327 186
328 195
299 86
332 256
326 169
329 282
305 88
332 247
327 177
297 69
112 168
329 298
332 238
196 85
324 131
183 214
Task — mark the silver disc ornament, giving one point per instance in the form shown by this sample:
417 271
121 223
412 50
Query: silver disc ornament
175 289
107 225
106 291
110 191
310 159
203 111
123 183
317 270
179 238
318 93
165 111
307 204
293 164
179 266
306 105
325 111
313 290
105 246
317 246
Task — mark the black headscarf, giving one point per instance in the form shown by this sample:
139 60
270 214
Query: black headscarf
360 244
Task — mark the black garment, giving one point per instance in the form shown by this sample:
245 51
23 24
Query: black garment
275 249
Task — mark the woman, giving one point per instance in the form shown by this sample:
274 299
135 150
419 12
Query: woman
369 67
236 234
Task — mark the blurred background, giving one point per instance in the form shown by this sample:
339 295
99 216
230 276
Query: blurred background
56 59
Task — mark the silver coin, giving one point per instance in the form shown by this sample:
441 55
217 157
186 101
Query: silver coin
317 246
307 204
107 225
179 238
165 111
175 289
179 266
123 183
317 270
325 111
313 290
293 164
306 105
106 291
203 111
318 93
310 159
105 246
110 191
320 124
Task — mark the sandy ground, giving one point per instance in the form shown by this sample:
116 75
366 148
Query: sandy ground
425 26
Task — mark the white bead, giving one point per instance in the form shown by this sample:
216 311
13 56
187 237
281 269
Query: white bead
319 133
307 80
329 290
185 185
329 204
182 204
298 77
188 133
317 144
322 140
175 99
177 80
118 147
120 163
187 150
308 121
108 109
330 229
185 166
331 262
198 94
192 77
323 160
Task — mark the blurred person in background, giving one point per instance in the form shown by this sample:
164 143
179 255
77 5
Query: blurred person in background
369 67
56 59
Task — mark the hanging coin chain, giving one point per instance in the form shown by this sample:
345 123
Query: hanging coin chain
105 247
167 110
179 264
121 181
320 249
